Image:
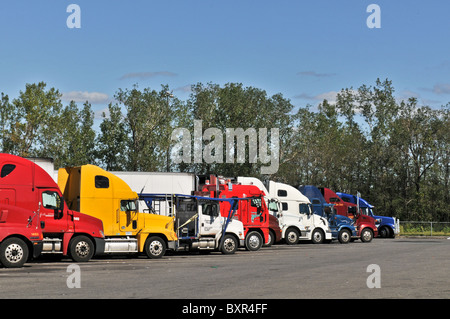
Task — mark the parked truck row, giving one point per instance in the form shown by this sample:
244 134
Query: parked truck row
84 211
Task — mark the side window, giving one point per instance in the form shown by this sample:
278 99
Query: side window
273 206
284 206
304 208
282 193
256 202
101 181
51 200
334 200
128 205
210 209
7 169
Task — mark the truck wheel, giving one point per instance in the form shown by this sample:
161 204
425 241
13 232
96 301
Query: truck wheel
292 236
384 232
155 247
271 240
317 236
344 236
81 249
253 241
13 253
366 235
229 245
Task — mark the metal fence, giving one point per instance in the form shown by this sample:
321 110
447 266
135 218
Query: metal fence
415 228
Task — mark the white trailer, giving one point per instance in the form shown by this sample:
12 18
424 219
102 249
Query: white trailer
159 183
296 219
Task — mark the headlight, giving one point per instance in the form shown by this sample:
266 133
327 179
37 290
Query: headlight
101 233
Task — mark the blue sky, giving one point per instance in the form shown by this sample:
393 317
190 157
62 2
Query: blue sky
306 50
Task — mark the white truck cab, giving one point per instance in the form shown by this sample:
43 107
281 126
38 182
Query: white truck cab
198 222
293 210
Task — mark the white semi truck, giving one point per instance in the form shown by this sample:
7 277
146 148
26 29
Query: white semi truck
293 210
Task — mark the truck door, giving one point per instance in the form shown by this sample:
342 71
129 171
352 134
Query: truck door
52 211
210 219
128 215
256 211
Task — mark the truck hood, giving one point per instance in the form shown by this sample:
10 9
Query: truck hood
91 225
343 220
384 220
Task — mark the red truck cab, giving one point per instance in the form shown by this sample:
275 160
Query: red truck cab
253 213
26 185
365 225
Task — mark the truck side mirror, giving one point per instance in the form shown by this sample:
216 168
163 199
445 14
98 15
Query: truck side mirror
59 212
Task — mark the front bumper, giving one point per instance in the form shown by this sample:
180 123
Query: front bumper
99 246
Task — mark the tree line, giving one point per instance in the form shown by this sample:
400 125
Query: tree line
395 153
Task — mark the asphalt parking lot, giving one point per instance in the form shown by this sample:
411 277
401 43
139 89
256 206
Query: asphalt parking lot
384 268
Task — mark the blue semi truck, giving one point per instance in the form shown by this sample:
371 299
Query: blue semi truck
388 227
342 227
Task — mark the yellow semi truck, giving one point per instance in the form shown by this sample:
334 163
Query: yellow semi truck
93 191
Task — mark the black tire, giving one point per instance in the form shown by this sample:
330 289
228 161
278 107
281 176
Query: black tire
81 249
292 236
317 236
253 241
13 253
344 236
229 245
155 247
366 235
384 232
271 239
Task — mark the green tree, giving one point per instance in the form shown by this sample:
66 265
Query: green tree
112 144
150 116
35 110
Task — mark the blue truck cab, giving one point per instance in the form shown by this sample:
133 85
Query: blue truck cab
388 227
342 228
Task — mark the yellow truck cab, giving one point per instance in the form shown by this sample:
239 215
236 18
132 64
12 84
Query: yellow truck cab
93 191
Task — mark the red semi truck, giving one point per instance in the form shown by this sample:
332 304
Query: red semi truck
365 225
20 235
253 213
25 185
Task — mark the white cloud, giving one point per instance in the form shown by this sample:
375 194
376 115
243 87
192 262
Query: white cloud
186 89
443 88
315 74
329 96
83 96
